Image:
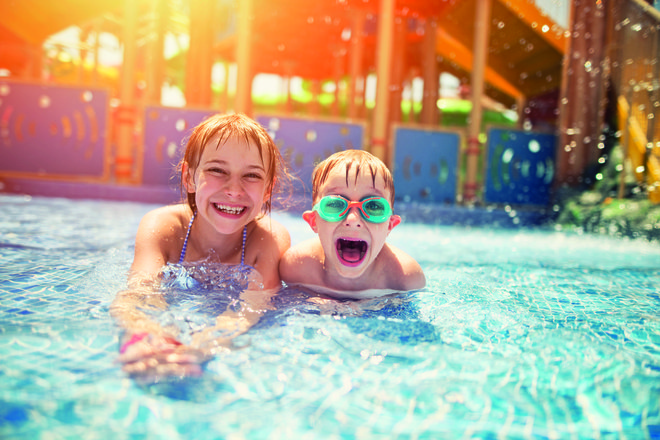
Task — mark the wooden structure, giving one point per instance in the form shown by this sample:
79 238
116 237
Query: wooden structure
502 50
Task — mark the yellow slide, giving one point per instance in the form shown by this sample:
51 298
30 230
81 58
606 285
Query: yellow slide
634 135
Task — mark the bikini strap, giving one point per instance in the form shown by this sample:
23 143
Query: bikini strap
243 246
185 241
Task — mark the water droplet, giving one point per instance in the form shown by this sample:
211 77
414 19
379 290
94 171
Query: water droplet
534 146
507 155
346 34
44 101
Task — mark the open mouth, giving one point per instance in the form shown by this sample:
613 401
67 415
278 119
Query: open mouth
351 252
231 210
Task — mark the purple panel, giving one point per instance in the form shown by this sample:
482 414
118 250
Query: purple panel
166 131
306 142
52 129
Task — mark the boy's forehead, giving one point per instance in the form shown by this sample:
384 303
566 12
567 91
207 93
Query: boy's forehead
339 178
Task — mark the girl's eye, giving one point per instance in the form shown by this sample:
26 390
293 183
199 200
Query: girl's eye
253 176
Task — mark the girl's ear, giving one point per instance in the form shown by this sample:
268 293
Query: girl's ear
394 221
188 179
269 191
310 218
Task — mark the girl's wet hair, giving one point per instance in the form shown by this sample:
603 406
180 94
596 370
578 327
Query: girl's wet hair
359 159
216 131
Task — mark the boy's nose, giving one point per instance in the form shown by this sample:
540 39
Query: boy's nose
353 217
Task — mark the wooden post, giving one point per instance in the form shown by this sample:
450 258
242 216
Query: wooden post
430 112
156 67
200 54
379 136
582 92
244 72
355 63
481 35
126 112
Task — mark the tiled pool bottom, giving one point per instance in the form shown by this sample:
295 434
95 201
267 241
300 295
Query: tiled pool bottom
519 334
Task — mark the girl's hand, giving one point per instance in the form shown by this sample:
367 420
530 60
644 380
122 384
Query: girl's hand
153 357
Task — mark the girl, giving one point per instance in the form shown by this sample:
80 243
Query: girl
229 174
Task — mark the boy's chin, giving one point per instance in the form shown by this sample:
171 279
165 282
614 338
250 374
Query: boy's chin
350 270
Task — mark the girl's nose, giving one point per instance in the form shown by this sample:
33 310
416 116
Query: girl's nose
233 188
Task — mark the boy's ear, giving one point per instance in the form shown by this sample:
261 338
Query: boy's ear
394 221
310 218
188 181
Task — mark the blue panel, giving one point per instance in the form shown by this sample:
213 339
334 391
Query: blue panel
305 142
166 131
53 130
425 165
520 167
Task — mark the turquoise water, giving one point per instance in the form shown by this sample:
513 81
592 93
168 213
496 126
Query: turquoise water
519 334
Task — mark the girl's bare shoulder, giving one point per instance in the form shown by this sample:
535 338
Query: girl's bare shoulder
269 228
166 220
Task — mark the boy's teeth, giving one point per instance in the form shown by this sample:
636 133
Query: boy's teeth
229 209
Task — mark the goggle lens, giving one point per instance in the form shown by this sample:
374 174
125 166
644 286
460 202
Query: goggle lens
335 208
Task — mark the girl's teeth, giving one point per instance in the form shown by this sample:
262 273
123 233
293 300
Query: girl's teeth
230 209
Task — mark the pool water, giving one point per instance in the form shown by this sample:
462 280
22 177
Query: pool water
519 334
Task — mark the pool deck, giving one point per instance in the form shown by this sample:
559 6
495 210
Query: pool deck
429 213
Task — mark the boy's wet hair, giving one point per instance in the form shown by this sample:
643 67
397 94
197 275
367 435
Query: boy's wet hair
216 131
359 159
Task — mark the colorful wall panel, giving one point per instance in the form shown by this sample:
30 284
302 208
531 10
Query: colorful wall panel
520 167
426 164
166 130
305 142
53 131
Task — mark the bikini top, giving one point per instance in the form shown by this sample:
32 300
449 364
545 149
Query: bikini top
185 242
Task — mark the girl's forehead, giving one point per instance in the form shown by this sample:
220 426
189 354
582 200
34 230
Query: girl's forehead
235 147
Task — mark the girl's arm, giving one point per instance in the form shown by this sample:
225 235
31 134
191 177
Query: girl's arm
265 249
147 349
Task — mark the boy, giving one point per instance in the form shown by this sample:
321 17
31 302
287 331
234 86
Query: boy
352 193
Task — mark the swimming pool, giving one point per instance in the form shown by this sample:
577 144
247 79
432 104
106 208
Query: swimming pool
519 334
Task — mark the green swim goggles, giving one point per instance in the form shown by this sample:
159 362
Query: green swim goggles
335 208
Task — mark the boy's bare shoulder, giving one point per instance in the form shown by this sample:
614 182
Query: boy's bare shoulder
404 272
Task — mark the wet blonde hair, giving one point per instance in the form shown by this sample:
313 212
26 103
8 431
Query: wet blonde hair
348 159
216 131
